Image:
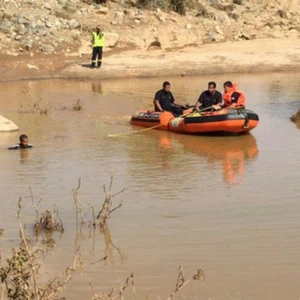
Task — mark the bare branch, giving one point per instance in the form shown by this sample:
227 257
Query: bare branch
181 282
106 210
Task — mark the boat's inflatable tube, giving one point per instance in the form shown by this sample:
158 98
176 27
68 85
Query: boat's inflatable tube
225 120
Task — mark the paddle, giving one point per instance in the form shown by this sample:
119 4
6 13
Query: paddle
153 127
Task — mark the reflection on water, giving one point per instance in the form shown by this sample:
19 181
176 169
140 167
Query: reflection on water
231 152
227 204
110 247
97 87
24 155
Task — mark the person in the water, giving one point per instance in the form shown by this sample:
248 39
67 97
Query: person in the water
23 143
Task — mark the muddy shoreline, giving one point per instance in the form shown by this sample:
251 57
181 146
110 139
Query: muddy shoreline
258 56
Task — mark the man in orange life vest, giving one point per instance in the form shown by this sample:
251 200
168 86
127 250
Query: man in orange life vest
232 96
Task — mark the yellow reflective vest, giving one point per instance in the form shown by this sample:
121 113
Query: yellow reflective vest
98 39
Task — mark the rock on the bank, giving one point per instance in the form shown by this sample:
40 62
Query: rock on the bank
5 25
119 17
111 39
102 10
28 44
73 24
47 48
296 116
7 125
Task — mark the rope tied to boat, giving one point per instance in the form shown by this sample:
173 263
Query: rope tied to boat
242 111
145 129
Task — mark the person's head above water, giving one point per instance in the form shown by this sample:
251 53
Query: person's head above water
23 141
166 86
212 87
227 86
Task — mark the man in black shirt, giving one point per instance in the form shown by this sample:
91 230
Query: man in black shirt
209 98
164 100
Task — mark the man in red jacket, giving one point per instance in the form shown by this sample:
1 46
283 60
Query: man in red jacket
232 96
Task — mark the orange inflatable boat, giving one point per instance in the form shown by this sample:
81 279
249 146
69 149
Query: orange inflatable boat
225 120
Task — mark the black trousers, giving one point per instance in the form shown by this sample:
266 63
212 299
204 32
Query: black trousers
175 110
97 56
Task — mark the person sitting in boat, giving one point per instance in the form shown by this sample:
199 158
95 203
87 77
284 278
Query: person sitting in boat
209 98
164 100
23 143
232 96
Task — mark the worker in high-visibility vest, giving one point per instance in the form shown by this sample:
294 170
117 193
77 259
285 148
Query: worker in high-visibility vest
98 44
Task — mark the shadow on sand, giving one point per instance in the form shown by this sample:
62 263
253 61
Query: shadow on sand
87 66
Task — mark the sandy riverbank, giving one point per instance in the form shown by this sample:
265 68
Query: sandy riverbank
268 55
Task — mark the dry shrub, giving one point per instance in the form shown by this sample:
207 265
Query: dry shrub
47 222
86 221
182 282
77 105
178 6
114 293
19 271
16 275
106 209
203 12
34 105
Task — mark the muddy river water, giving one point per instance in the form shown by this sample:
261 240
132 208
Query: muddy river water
229 205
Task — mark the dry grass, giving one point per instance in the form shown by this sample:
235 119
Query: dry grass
77 202
119 293
19 274
77 105
115 293
106 209
182 282
46 223
35 105
88 220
